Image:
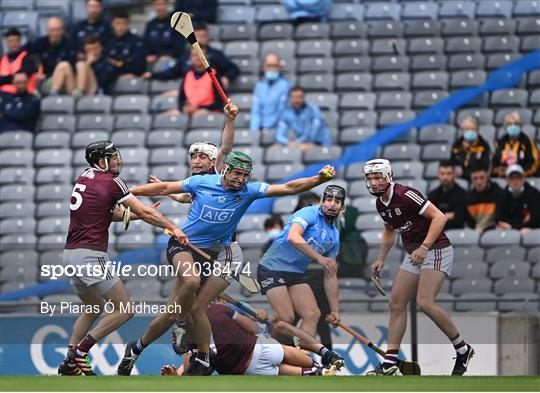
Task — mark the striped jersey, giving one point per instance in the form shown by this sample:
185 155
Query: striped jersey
404 212
93 200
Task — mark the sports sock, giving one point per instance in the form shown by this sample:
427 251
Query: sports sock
203 358
311 370
459 344
138 347
86 343
390 358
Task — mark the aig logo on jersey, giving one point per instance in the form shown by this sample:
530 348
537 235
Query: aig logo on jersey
216 216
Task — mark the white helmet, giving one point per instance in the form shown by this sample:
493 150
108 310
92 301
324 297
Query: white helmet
378 165
204 147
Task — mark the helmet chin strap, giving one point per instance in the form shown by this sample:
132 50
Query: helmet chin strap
380 193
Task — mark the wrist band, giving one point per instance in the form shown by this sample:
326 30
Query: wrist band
424 247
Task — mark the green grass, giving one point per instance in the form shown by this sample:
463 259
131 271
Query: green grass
244 383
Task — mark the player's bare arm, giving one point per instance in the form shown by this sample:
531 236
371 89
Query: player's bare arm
158 189
118 214
298 186
180 198
388 239
331 288
438 221
227 136
295 238
247 324
153 217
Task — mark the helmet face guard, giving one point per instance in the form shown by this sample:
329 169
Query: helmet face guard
380 166
105 150
240 161
335 192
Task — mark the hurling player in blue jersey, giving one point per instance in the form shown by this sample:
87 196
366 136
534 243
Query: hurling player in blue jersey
219 202
309 236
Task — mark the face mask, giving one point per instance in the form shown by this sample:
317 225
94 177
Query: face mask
469 136
272 234
271 75
513 130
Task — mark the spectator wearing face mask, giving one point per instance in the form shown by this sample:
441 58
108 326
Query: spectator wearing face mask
470 149
269 96
273 226
515 147
520 207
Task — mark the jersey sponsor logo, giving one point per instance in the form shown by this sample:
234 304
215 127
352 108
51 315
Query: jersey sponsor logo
216 216
207 193
405 227
267 282
415 197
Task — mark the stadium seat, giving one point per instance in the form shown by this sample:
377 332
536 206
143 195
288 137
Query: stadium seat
281 154
323 154
164 138
94 104
16 192
212 136
132 122
83 138
275 31
313 48
430 80
353 82
280 171
369 221
513 284
392 81
464 302
285 205
159 86
463 45
459 26
53 157
10 226
50 225
17 175
398 152
464 236
60 174
50 139
208 121
500 237
533 255
131 104
390 64
502 269
463 286
17 258
502 44
167 155
526 302
494 9
252 238
20 139
497 27
466 61
386 46
422 28
52 209
57 123
352 12
365 204
57 105
312 31
238 32
385 10
391 117
532 238
323 82
53 191
347 29
95 122
132 86
528 26
358 118
352 63
240 49
432 62
18 242
350 47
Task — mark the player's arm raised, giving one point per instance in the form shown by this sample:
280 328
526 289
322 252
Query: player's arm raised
227 136
298 186
180 198
388 239
295 238
158 189
153 217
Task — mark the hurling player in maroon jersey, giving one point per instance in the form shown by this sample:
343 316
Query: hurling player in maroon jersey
428 261
94 204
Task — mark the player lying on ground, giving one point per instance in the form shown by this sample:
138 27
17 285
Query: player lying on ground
428 261
220 202
98 190
243 349
310 235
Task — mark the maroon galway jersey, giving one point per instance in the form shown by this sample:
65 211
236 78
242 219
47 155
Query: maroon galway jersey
95 195
234 345
404 213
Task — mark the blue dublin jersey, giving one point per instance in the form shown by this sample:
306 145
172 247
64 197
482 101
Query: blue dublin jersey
215 211
321 236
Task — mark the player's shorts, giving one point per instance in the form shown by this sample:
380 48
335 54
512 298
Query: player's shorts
267 356
230 255
441 259
94 273
269 279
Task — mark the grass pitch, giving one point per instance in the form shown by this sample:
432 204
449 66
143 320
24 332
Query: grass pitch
282 383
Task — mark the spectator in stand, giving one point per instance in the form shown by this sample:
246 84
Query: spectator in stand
15 60
273 226
225 68
353 248
20 110
202 11
51 50
308 10
449 197
126 50
197 93
520 207
470 149
94 74
269 96
305 120
515 147
161 42
93 25
482 200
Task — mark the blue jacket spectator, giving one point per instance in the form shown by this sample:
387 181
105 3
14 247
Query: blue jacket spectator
308 10
19 111
269 96
305 119
52 48
94 25
126 50
202 11
159 39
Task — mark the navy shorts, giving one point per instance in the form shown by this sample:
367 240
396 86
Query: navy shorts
269 279
174 248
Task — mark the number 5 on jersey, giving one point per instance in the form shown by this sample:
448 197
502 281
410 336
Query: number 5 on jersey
77 195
